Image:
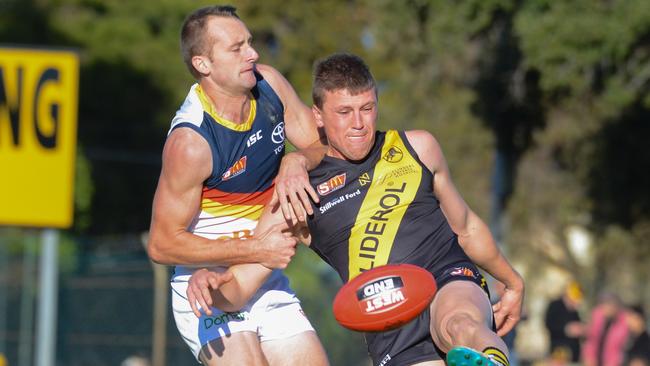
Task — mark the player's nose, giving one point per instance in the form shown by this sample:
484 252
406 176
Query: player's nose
357 120
252 55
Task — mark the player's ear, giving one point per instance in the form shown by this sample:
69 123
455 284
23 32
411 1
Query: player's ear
317 115
201 64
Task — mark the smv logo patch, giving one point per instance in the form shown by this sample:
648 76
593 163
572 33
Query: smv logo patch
235 170
331 185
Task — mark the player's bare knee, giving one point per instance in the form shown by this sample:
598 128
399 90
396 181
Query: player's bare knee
457 329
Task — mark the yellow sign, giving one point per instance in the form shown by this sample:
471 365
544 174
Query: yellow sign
38 136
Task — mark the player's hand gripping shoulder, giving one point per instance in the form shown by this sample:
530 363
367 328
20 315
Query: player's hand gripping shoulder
292 188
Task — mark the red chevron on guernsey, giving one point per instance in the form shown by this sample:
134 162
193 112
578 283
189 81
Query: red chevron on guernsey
236 169
236 198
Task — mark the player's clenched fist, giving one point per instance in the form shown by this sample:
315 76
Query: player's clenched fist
276 247
199 289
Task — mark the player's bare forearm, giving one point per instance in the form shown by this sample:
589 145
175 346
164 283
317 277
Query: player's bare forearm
247 279
270 247
170 243
310 156
479 245
187 249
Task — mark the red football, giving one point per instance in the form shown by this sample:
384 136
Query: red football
384 298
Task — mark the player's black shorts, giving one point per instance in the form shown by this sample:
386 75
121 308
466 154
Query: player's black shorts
412 343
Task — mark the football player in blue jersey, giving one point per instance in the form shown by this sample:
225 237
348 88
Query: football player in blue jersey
220 161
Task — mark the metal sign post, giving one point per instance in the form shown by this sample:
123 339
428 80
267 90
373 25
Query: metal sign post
47 302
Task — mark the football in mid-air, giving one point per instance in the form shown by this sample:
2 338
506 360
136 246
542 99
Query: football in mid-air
384 298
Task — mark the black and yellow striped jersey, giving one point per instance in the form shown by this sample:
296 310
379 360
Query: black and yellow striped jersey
380 210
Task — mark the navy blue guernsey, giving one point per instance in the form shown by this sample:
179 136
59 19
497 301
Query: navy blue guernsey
380 210
246 158
260 140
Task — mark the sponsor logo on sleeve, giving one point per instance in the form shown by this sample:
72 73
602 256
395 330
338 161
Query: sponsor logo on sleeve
236 169
331 185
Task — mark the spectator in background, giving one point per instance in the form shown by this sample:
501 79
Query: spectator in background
638 353
565 329
607 333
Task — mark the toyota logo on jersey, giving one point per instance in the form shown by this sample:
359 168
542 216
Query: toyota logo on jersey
278 133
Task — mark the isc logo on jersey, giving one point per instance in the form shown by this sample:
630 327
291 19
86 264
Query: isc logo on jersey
235 170
381 295
254 138
331 185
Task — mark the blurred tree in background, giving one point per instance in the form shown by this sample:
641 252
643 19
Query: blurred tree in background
587 166
542 108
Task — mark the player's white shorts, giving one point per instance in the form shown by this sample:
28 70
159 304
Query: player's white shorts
274 312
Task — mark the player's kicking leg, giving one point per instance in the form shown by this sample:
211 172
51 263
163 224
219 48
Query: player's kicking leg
461 315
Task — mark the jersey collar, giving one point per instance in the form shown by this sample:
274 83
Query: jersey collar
209 108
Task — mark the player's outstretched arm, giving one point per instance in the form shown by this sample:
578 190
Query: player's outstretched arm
292 189
228 291
187 162
473 234
231 290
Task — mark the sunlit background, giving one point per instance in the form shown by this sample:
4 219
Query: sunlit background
542 108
